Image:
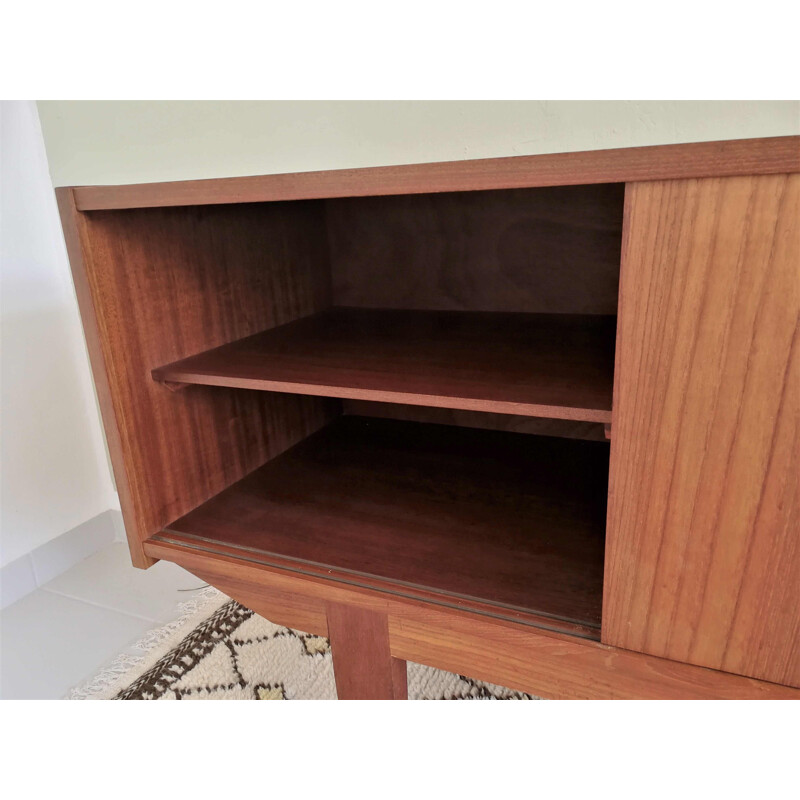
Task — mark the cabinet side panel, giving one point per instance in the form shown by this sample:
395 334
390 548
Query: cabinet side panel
167 283
71 225
703 542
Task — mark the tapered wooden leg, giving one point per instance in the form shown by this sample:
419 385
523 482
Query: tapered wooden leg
362 663
399 679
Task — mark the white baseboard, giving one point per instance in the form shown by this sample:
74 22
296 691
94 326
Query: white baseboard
16 580
40 566
119 525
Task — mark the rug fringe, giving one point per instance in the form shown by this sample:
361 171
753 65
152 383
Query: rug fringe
99 686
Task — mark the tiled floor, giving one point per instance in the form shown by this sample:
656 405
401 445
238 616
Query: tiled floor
61 634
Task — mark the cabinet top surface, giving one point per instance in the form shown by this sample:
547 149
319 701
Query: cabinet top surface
661 162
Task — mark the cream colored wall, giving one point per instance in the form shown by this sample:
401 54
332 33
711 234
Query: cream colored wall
136 142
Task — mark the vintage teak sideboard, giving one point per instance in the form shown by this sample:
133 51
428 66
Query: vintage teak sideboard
534 419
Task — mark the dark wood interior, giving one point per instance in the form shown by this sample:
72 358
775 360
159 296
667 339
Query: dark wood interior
546 251
517 521
492 309
512 423
480 259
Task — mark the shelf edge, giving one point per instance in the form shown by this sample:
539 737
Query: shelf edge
173 380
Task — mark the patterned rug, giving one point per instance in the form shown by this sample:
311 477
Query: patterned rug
230 653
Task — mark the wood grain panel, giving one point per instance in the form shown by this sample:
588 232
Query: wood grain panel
697 159
299 611
531 660
552 251
71 223
162 284
703 552
562 668
546 365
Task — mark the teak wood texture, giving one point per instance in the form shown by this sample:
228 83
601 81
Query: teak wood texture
155 285
696 160
514 522
546 365
362 660
703 541
524 658
549 250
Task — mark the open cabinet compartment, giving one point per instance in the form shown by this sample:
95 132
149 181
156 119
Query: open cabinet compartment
501 301
505 523
402 392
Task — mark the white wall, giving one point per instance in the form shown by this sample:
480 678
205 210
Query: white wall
137 142
55 473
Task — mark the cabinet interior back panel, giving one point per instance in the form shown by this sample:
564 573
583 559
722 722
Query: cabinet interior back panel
548 250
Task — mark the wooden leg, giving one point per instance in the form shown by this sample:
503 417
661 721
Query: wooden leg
362 663
399 679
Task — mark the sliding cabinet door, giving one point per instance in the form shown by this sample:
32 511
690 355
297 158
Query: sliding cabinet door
703 548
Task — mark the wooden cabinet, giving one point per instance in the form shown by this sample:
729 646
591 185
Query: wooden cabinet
376 405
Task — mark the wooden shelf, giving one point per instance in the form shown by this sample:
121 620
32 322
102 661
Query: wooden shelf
511 523
542 365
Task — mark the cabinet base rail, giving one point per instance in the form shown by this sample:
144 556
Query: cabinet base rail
382 632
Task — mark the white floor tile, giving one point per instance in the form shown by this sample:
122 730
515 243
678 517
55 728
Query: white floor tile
50 643
107 579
